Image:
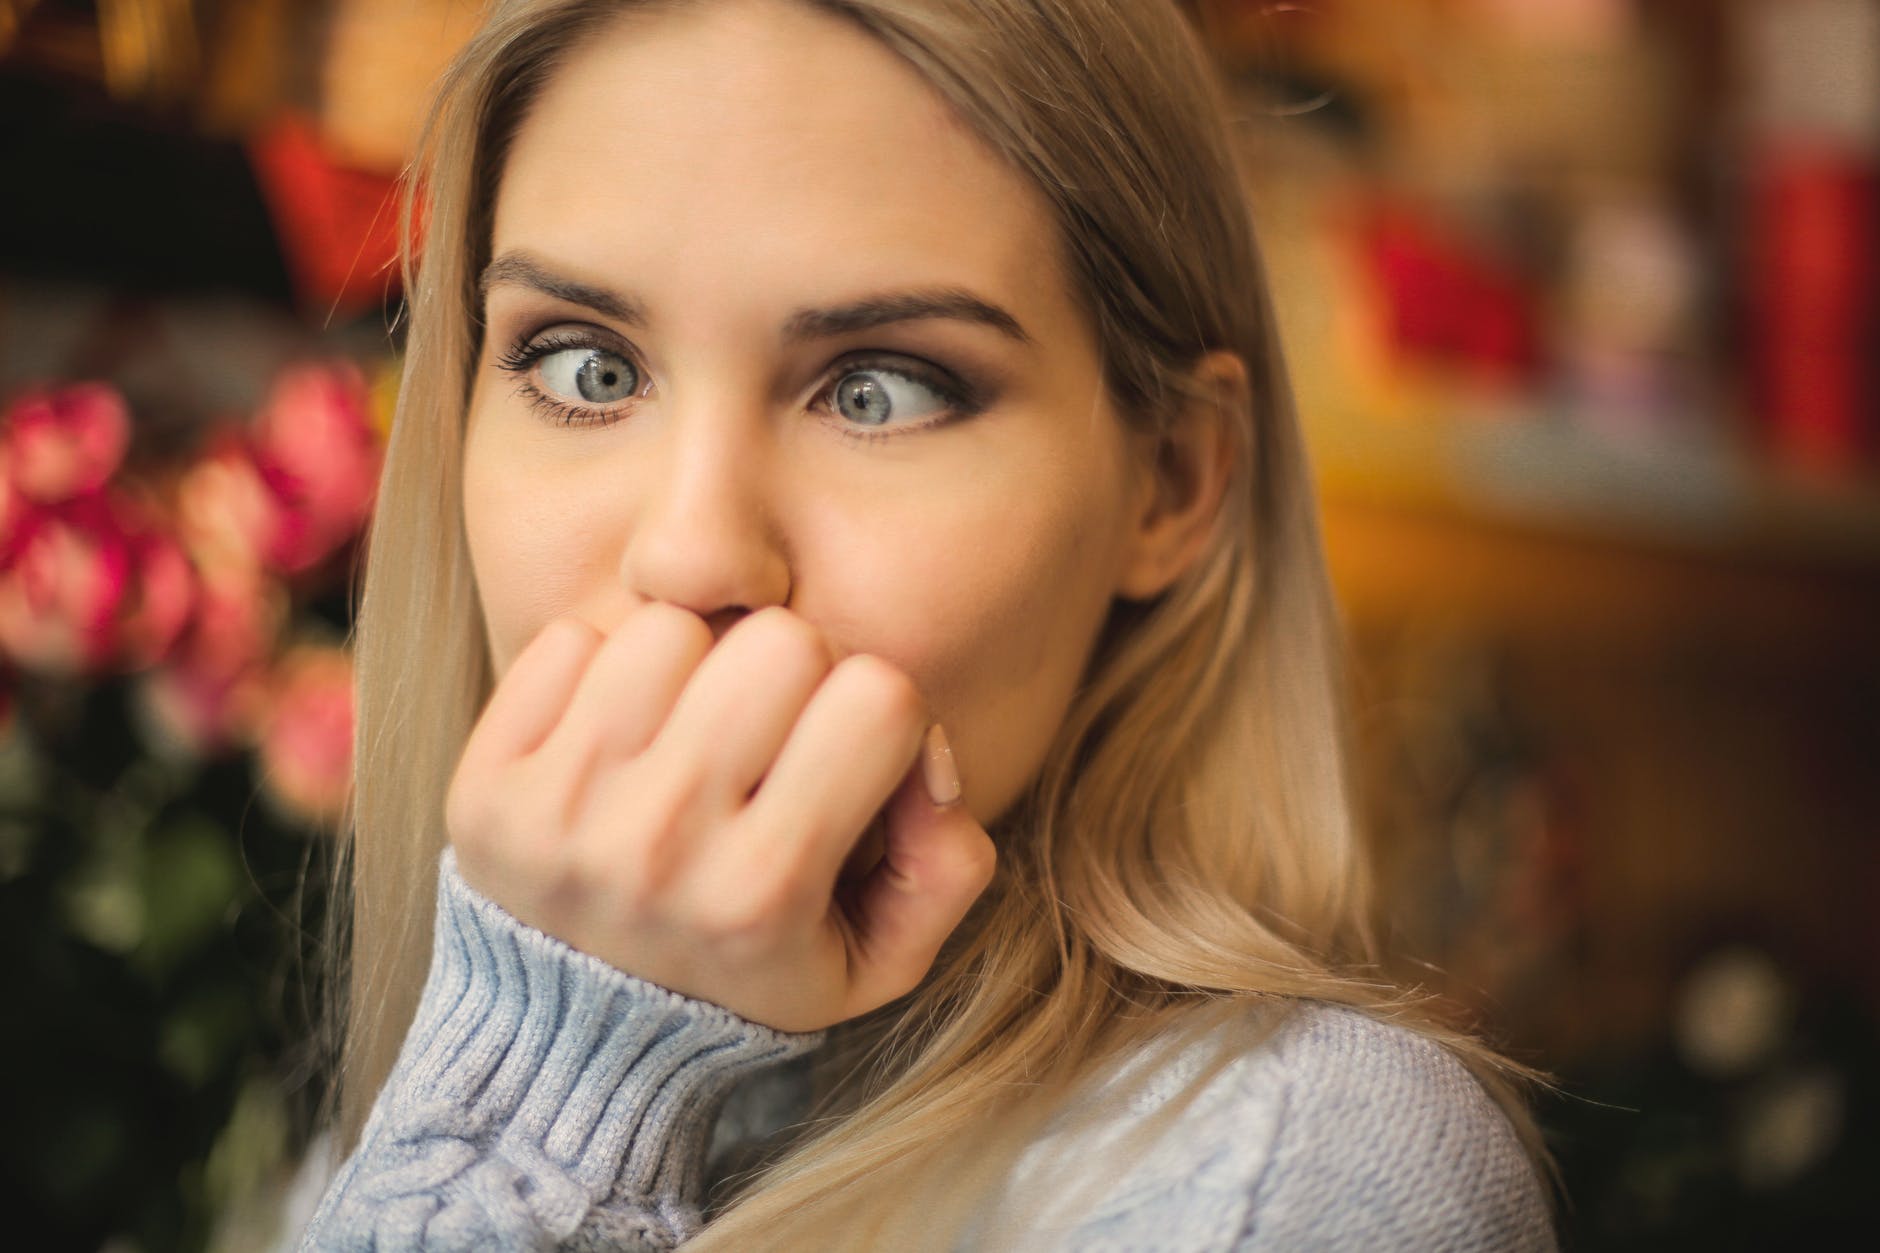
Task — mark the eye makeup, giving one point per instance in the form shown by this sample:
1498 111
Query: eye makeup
961 396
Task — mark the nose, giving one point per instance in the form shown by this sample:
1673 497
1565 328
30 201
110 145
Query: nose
705 536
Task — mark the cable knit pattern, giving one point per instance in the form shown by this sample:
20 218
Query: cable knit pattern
545 1100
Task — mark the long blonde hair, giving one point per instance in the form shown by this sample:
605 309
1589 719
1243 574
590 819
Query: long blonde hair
1191 836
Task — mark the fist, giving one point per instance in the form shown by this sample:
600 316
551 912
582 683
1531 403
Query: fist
694 815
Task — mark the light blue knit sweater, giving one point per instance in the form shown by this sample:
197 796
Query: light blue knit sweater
545 1100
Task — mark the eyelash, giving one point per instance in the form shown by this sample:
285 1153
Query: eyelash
519 360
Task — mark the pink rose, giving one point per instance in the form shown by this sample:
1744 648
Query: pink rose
307 732
315 433
61 588
161 600
238 618
13 507
93 584
229 514
207 695
66 442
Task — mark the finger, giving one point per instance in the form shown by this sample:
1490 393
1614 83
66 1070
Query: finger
848 750
530 698
936 863
632 683
740 708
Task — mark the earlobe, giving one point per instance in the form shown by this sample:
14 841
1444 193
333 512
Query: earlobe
1188 468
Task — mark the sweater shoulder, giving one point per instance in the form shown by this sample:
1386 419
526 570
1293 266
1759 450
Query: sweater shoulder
1316 1127
1384 1140
1362 1073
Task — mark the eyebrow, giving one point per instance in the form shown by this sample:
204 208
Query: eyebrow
955 303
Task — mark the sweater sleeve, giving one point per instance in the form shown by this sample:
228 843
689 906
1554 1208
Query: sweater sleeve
542 1100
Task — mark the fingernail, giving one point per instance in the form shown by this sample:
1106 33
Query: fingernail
937 769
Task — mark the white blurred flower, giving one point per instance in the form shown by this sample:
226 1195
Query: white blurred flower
1732 1012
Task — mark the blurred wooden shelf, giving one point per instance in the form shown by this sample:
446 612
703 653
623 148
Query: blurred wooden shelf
1537 530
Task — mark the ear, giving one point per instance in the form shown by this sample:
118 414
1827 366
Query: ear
1184 471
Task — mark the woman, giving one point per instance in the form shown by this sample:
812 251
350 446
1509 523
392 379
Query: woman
846 590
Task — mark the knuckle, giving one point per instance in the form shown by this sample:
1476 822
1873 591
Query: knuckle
787 638
568 631
558 641
885 686
664 618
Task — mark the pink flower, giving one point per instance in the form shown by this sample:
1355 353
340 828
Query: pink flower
315 433
207 695
13 507
67 442
93 584
229 514
163 596
297 488
238 618
307 733
61 588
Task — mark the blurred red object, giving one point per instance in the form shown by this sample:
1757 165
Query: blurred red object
337 226
93 584
209 694
89 578
1811 74
296 486
162 596
315 433
103 571
1446 301
228 512
66 442
1815 316
60 591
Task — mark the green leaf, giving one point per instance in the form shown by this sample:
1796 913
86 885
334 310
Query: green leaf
198 1037
190 888
104 906
17 839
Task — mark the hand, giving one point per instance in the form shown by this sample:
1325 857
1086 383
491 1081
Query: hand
685 813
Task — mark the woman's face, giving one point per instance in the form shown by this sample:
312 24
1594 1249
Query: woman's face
767 325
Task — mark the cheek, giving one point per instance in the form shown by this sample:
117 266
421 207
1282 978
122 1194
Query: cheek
992 611
533 549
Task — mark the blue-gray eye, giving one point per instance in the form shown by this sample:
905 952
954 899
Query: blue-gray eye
873 397
594 375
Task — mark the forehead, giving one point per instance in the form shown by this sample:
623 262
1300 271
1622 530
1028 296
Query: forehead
766 141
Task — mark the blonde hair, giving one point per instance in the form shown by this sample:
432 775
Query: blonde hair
1190 838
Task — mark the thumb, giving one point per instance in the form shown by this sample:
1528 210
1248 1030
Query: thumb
935 863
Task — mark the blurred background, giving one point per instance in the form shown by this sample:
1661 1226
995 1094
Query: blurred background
1581 298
